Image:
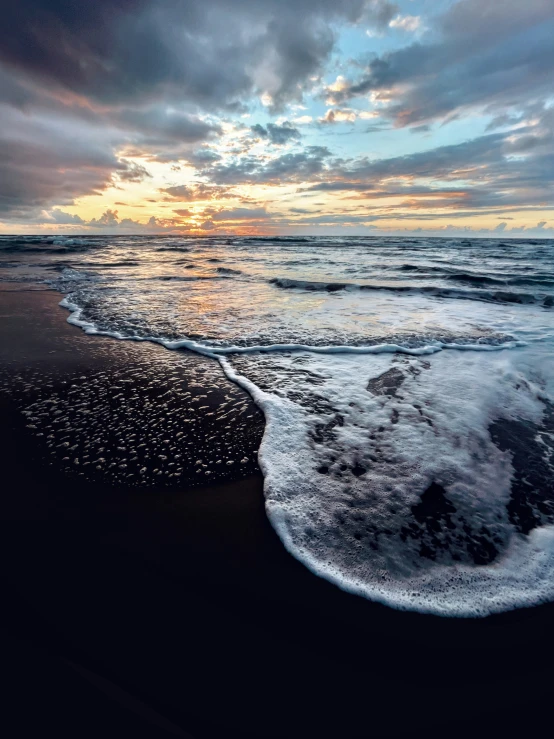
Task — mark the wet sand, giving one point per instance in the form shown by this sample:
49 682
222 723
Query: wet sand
162 606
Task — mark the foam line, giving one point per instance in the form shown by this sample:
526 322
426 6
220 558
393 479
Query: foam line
216 351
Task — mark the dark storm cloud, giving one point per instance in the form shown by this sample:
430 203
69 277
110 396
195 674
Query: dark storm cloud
484 53
277 134
209 53
157 129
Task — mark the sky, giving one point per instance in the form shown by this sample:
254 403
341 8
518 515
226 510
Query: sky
332 117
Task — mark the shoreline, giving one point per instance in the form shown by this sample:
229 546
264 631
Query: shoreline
185 597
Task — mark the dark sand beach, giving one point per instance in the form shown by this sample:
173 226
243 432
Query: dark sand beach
146 604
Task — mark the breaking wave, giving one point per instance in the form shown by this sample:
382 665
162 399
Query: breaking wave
497 296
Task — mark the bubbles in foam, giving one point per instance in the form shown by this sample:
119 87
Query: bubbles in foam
381 474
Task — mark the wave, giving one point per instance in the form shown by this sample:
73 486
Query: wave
32 250
71 241
448 274
474 279
46 244
185 278
285 239
229 271
216 351
497 296
174 248
109 265
286 283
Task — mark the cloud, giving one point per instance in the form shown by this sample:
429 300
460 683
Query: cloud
180 192
109 222
146 77
45 162
300 211
133 172
346 115
116 92
277 134
379 14
159 133
202 157
339 218
339 185
196 191
291 167
60 217
212 54
511 170
108 219
241 214
338 116
484 54
409 23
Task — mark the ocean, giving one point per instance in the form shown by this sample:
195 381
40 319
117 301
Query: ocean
407 386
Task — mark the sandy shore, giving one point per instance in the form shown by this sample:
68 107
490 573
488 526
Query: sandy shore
177 597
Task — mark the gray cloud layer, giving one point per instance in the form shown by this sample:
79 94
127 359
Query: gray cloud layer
144 74
81 81
490 172
42 161
211 53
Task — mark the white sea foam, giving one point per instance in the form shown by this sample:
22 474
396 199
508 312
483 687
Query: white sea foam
215 351
341 501
68 241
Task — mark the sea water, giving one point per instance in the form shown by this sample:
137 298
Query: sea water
407 386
